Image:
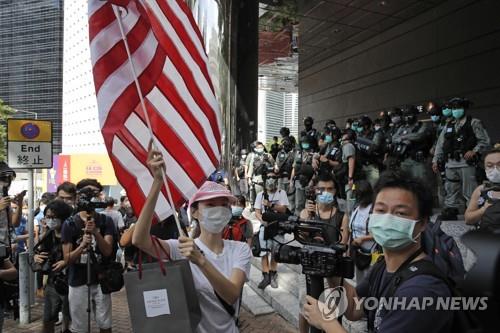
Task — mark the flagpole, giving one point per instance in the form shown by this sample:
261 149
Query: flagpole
148 121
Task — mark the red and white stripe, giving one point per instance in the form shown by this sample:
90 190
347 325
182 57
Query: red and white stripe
172 70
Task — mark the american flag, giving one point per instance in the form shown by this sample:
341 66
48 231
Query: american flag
171 65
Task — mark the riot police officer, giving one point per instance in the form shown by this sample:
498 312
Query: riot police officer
396 117
284 165
239 174
256 166
459 146
302 172
412 143
285 135
330 153
369 144
310 132
275 147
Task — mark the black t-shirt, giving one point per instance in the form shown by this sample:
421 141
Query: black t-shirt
429 320
52 244
72 233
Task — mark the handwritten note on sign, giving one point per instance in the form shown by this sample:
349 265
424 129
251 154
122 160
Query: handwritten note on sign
156 303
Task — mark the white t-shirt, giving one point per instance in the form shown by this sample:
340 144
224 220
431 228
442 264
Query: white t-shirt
277 198
214 318
358 223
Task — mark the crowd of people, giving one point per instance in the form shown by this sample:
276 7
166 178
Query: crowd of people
369 180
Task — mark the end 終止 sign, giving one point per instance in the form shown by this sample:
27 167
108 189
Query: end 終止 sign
29 143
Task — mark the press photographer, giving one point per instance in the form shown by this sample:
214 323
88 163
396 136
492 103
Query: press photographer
8 272
7 216
270 200
89 243
321 206
49 260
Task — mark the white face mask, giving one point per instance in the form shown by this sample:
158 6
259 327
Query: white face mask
493 174
53 223
214 219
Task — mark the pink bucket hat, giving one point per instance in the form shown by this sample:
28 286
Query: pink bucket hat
210 190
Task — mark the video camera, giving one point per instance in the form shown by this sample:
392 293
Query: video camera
321 256
86 201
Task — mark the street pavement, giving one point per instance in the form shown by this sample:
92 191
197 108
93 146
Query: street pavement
121 322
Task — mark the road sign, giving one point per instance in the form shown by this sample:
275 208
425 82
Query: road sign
29 143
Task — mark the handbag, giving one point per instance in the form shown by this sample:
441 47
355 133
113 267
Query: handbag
162 295
110 277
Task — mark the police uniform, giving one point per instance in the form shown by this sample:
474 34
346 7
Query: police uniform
458 137
302 164
257 165
369 146
414 142
242 183
284 164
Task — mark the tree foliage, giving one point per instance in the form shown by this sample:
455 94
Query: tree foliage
5 113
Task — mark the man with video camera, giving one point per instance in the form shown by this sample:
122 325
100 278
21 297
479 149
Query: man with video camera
49 260
401 211
8 272
88 236
321 205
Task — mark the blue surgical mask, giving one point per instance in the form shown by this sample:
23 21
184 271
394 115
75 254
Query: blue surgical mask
325 198
359 129
447 112
435 118
236 210
305 145
458 113
328 138
391 231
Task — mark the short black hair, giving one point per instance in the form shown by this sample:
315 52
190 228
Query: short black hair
67 187
403 180
47 197
122 198
363 192
240 200
326 177
110 201
88 182
60 209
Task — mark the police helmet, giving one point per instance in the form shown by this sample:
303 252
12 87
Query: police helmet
433 109
458 102
284 131
409 110
308 121
365 121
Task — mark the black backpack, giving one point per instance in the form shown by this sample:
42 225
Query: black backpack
463 321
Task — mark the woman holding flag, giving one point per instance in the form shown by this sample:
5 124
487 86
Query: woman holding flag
220 267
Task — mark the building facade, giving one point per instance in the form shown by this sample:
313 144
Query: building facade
81 130
31 51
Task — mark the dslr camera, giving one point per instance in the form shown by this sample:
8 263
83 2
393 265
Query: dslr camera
320 256
86 200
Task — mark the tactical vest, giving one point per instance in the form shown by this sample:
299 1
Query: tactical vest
423 147
284 161
365 148
459 141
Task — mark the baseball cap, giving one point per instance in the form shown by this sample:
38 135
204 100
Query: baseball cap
210 190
